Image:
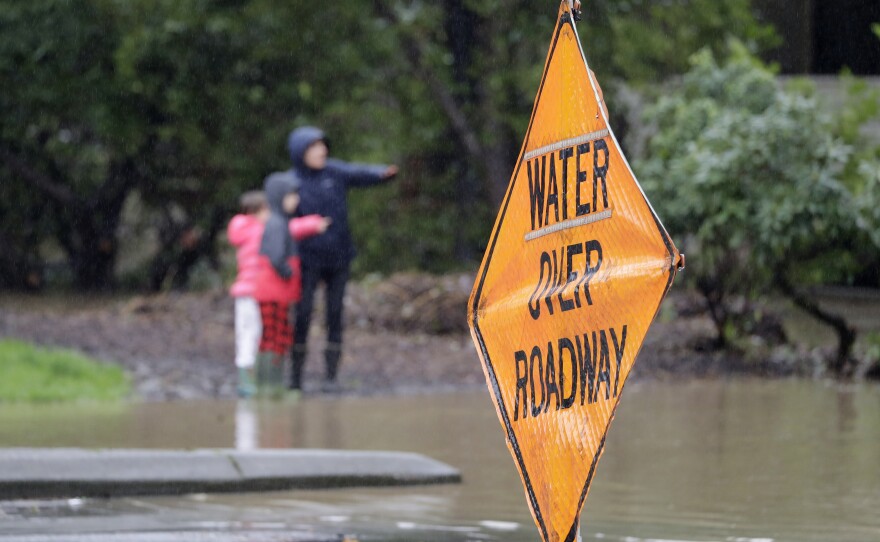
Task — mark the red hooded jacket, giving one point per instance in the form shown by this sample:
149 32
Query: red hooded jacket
256 278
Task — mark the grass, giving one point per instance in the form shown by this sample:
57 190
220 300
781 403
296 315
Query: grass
30 373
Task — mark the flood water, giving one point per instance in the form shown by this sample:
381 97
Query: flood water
734 461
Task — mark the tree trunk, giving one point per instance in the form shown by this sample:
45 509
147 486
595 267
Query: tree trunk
86 226
452 105
89 239
20 267
204 247
714 297
89 232
93 264
183 246
842 365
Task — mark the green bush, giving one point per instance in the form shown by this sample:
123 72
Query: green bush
761 186
31 373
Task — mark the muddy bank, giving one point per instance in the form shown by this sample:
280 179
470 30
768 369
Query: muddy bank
404 334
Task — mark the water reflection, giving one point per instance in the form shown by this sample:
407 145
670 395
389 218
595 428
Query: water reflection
247 434
741 460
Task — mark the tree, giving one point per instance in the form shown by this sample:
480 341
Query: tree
186 104
757 180
463 76
56 65
480 62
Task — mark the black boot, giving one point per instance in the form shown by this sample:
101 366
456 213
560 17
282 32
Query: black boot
332 357
297 361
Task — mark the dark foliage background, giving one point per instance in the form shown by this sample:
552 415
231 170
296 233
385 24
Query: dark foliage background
131 127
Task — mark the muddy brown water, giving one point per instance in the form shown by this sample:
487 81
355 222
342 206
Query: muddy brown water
733 461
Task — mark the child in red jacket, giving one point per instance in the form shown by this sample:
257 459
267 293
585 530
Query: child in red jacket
245 232
278 280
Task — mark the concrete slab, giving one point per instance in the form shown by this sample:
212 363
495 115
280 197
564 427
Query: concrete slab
27 473
318 468
178 536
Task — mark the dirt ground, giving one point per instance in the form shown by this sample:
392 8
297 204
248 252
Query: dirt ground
404 334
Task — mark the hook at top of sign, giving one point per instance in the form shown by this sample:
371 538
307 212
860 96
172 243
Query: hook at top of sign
575 7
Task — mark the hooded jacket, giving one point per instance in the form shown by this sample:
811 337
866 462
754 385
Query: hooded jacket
325 192
278 278
245 233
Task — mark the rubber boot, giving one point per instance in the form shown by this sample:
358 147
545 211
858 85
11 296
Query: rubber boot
297 362
246 386
269 378
275 380
264 359
332 357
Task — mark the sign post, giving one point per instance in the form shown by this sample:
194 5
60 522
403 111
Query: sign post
574 273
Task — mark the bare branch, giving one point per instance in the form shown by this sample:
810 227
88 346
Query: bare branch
415 55
842 365
43 182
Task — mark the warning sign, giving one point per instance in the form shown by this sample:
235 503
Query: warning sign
575 270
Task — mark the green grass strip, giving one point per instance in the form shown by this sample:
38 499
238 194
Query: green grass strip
31 373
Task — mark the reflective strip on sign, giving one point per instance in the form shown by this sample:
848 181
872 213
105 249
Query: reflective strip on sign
568 224
570 142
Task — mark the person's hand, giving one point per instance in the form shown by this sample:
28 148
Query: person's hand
390 171
324 224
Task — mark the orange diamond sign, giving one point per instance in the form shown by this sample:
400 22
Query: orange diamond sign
575 271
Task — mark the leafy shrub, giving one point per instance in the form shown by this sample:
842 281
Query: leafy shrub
760 185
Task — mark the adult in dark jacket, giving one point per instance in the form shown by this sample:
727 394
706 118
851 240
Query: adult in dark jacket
326 258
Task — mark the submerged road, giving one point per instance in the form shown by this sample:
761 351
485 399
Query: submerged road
179 536
31 473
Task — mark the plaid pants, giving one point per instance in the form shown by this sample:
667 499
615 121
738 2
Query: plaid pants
277 332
